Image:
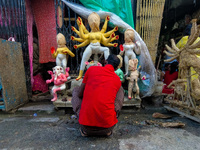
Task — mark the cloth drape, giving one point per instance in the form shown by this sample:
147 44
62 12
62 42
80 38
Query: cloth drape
44 15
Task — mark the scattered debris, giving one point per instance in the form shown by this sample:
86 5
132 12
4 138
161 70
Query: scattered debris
161 124
152 122
64 99
173 124
161 116
143 123
73 117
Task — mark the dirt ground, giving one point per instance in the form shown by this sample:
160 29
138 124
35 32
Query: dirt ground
136 130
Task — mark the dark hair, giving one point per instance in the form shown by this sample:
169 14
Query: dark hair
174 67
187 30
113 60
166 65
188 16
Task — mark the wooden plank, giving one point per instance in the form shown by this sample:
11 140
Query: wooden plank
60 16
183 114
66 104
59 103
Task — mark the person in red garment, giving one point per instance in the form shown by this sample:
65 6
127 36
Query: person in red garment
99 99
170 75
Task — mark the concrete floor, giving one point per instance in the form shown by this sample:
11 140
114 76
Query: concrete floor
47 129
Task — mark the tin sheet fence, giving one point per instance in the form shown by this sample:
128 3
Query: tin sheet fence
12 75
13 24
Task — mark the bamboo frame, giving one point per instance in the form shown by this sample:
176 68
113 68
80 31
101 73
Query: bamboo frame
148 23
177 103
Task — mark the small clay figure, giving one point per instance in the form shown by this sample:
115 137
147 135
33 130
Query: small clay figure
62 53
130 48
59 79
94 38
133 88
119 72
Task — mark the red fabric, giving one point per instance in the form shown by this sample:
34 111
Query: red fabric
166 90
39 84
168 78
44 14
101 87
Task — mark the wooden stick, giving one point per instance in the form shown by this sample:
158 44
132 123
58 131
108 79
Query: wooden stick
158 62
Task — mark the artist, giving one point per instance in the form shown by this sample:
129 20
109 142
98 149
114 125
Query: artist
99 99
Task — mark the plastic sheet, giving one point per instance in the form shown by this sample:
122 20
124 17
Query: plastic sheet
121 8
147 67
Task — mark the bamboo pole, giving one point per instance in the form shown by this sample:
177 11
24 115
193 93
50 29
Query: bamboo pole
145 24
149 19
151 23
141 17
138 16
143 11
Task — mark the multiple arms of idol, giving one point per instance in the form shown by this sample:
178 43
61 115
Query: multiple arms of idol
84 35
